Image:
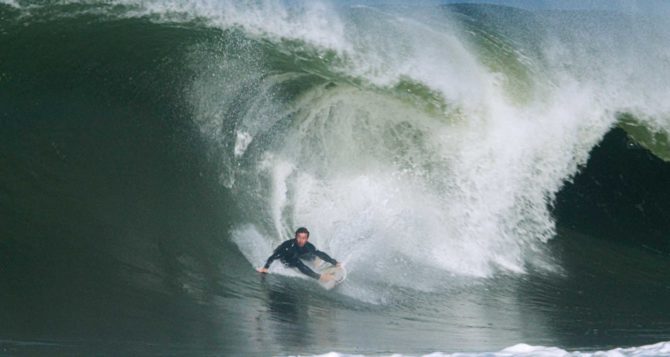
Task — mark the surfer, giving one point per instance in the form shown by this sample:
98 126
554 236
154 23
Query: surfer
293 251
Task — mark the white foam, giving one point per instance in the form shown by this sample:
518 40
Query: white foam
242 140
524 350
11 3
309 21
466 191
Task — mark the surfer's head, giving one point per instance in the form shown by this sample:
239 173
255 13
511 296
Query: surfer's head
301 236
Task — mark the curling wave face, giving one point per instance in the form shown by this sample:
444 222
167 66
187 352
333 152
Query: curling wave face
442 137
439 139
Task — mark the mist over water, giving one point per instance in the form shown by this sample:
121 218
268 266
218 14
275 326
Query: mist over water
475 167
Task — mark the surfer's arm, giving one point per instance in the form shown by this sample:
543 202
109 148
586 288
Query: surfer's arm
276 255
269 261
325 257
312 250
306 270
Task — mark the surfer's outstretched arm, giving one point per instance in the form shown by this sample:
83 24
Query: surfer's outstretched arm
312 249
325 257
278 253
306 270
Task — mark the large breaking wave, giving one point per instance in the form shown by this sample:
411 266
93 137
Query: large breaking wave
407 140
154 152
413 141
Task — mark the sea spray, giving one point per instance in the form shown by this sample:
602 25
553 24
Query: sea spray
466 190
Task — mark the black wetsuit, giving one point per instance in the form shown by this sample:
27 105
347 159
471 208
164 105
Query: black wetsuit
291 255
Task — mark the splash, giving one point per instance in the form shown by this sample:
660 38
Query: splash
406 150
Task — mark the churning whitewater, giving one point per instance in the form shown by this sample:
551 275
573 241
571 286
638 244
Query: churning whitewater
388 127
489 175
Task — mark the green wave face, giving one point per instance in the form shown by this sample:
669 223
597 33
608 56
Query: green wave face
653 139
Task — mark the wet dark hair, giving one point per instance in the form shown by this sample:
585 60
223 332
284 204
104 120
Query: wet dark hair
301 230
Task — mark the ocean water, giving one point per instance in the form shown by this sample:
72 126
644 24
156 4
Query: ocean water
494 178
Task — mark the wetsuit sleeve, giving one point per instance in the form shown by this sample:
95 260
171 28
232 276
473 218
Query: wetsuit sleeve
306 270
325 257
279 251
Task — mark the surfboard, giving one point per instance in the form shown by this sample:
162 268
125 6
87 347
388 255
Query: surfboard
339 275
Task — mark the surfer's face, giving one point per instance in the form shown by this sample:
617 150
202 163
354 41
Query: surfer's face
301 239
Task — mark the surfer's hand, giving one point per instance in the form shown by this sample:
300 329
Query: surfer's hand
338 264
262 270
325 278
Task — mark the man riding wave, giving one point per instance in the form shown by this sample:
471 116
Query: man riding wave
293 251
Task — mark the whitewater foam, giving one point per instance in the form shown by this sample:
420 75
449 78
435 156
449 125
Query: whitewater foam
11 3
309 21
465 191
523 350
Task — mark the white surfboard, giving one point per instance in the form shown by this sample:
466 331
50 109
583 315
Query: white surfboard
339 274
